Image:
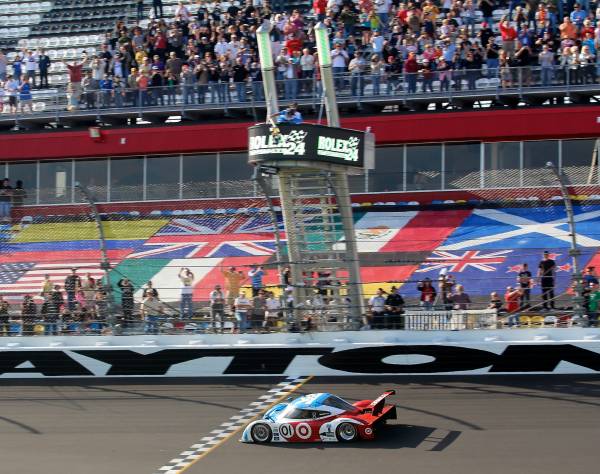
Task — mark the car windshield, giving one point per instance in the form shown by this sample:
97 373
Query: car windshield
337 402
294 413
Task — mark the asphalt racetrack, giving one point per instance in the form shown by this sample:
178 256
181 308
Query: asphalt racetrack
463 425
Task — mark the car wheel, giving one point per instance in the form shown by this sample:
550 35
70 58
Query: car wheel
261 433
346 432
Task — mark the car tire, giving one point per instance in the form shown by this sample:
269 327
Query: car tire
346 432
261 433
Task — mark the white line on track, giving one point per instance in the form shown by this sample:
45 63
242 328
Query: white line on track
235 423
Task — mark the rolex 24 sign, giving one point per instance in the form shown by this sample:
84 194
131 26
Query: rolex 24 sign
307 143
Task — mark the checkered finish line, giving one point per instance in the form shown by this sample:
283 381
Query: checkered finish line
227 429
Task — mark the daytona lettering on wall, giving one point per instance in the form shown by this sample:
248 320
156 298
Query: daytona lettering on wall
414 359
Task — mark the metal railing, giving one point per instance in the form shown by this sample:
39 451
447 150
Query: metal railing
205 323
441 86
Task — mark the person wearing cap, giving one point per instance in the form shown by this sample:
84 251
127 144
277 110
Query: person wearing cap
546 269
217 308
290 115
233 283
72 285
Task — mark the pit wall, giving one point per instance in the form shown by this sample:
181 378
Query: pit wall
519 351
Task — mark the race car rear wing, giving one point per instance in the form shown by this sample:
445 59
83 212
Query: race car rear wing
377 405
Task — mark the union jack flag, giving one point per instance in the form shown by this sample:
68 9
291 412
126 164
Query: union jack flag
459 262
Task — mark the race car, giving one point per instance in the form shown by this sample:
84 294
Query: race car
321 417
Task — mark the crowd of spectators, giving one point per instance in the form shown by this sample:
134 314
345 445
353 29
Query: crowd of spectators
209 52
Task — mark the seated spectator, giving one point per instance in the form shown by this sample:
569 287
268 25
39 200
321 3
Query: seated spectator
495 301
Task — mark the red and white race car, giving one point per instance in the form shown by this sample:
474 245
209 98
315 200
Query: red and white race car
321 417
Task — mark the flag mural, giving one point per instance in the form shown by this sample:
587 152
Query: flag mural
483 248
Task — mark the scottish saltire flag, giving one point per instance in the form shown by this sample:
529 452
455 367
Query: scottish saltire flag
518 228
484 271
28 277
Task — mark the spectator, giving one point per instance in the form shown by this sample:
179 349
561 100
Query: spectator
394 305
3 66
72 285
377 310
44 63
151 310
256 274
4 317
31 67
546 269
233 283
18 194
428 294
593 305
186 277
259 308
127 303
273 311
495 301
460 299
525 282
6 192
217 308
149 290
511 303
242 307
75 78
589 277
28 315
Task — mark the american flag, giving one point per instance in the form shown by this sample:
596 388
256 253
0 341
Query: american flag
28 277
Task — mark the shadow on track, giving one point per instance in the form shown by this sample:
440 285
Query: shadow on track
390 437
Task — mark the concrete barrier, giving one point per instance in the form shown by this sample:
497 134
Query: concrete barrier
518 351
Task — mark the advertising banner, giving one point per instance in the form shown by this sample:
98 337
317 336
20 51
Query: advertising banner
308 143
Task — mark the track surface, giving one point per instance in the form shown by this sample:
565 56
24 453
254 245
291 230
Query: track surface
529 425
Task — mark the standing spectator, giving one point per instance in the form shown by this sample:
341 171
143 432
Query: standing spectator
12 89
151 310
4 317
72 285
31 67
546 61
89 88
17 67
509 35
525 282
428 294
256 274
394 304
5 200
187 289
3 66
75 78
241 307
411 70
377 310
149 290
217 308
127 291
546 269
357 69
51 310
25 97
28 315
44 63
106 88
460 299
240 77
139 10
495 301
156 83
18 194
157 5
339 59
593 305
89 287
233 283
511 303
273 310
187 84
589 277
259 308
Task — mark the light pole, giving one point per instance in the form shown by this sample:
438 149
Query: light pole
574 252
265 53
325 65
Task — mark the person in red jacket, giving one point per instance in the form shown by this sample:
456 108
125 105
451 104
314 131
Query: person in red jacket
509 35
411 69
512 304
320 7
